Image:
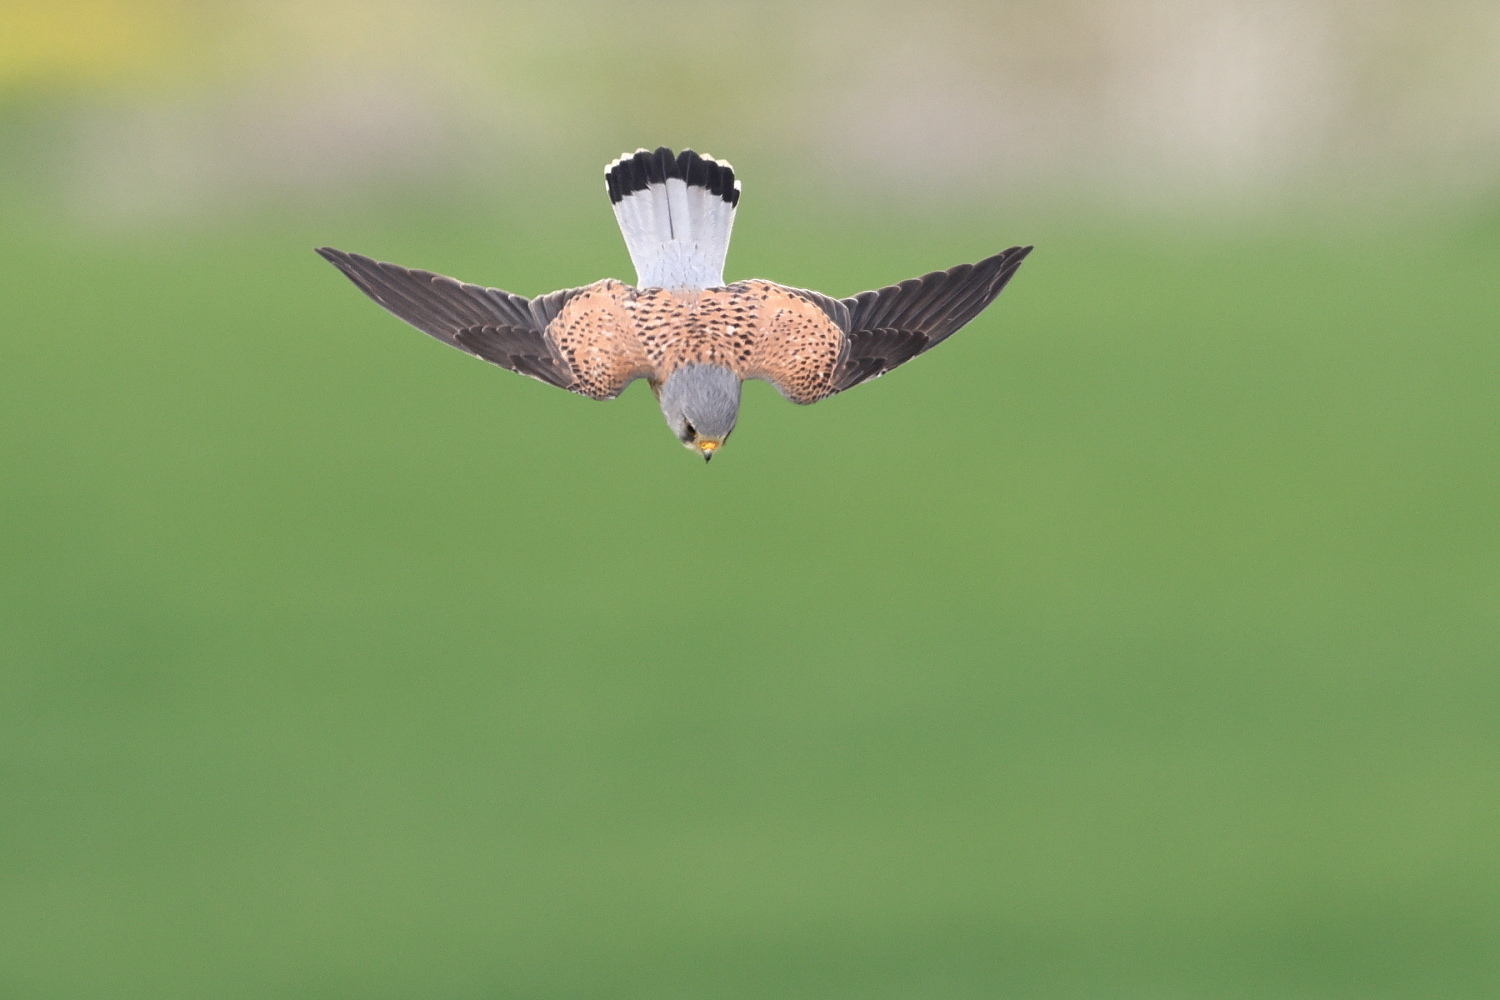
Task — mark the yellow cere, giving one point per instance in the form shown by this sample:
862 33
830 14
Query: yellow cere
709 446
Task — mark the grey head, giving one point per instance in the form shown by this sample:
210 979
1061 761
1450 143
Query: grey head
700 403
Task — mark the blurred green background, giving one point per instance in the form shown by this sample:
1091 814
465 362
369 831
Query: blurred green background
1140 642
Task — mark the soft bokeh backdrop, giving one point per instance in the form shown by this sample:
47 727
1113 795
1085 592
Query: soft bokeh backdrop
1140 642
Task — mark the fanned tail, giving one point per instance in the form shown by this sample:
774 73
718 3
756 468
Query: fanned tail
676 213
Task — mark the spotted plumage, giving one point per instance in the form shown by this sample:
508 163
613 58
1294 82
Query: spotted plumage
693 337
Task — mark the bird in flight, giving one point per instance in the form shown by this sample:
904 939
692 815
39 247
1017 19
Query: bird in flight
680 327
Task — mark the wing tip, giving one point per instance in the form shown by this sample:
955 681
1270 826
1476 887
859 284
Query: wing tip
1009 257
344 260
1010 261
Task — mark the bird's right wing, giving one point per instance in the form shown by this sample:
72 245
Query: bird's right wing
576 339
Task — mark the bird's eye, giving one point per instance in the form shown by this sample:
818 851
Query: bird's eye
687 431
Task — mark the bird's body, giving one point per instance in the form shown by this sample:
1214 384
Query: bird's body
692 336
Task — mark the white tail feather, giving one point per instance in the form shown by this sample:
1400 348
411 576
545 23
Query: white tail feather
676 214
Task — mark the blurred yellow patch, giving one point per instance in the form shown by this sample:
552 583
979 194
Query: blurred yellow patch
86 41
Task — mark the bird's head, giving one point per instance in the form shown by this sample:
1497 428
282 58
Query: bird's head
700 403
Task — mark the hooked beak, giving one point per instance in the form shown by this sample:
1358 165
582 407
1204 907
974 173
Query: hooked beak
707 447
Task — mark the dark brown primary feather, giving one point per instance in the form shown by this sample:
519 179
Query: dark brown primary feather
889 326
504 329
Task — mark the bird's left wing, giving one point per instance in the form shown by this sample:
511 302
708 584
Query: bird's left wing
880 329
576 339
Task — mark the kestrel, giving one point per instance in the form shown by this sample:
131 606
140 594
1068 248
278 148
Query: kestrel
680 327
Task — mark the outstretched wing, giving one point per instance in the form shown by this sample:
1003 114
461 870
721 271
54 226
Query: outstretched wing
894 324
882 329
512 331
